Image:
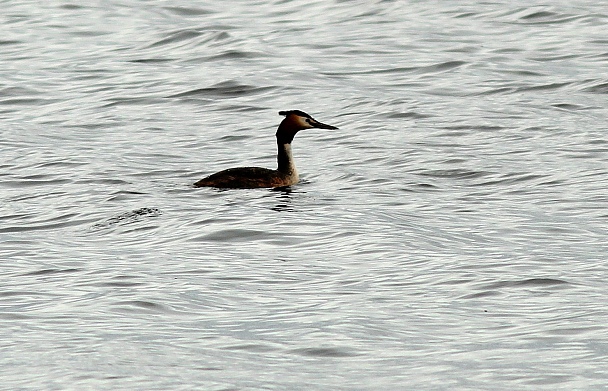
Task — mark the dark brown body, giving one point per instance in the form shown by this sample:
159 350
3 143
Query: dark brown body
246 178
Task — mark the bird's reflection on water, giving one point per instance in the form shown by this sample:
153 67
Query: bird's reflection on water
284 198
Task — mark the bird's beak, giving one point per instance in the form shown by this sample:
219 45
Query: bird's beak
321 125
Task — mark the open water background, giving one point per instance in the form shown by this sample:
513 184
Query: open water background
451 235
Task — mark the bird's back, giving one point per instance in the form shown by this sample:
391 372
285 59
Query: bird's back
246 178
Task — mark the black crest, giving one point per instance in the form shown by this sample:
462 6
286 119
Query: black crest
296 112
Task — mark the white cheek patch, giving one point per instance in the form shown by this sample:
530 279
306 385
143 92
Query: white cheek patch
303 123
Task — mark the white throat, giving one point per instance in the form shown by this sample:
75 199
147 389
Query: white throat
286 162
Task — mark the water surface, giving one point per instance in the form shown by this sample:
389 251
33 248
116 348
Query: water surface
451 235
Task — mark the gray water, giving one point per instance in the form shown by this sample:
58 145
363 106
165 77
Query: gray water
451 235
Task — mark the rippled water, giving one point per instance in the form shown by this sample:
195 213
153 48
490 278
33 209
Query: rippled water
451 235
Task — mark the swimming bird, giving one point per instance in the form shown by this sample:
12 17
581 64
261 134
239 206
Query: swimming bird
256 177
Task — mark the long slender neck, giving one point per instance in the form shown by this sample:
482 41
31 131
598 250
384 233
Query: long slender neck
285 158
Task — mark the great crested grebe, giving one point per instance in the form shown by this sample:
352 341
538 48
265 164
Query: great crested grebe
286 173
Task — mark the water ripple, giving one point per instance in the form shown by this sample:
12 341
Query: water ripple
223 89
548 17
324 352
188 11
184 36
128 218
